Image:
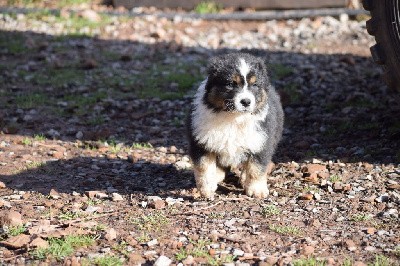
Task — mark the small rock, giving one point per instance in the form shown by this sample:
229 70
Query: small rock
111 234
391 212
53 133
2 185
313 168
307 250
271 260
10 218
101 195
152 242
182 165
330 261
136 259
370 230
79 135
162 261
39 243
338 186
90 15
158 204
189 260
238 252
381 232
370 248
117 197
54 194
16 242
91 194
350 245
307 196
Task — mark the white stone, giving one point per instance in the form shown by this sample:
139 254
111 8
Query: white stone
163 261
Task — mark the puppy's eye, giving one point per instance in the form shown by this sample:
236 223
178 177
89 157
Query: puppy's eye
252 80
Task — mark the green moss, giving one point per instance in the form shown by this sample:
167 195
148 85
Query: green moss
207 7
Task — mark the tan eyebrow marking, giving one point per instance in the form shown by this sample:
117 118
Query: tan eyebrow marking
252 80
237 79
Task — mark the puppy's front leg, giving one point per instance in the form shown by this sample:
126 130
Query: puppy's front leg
254 180
208 175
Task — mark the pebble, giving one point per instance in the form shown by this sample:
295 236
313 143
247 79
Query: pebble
111 234
117 197
238 252
10 218
152 243
163 261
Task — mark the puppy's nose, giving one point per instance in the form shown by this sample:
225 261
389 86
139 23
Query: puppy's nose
245 102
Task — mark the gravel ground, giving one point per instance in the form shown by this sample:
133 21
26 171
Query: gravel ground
92 144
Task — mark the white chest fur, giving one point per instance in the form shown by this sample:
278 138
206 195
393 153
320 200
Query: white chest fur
229 135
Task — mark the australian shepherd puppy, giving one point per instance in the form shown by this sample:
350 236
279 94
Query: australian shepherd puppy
236 121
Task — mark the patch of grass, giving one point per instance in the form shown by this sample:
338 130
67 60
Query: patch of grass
69 215
152 222
335 178
141 145
93 202
221 259
180 79
34 165
309 262
291 89
207 7
144 237
60 248
280 71
181 254
361 217
201 250
82 103
14 44
26 141
58 77
270 210
39 137
30 100
121 248
347 262
285 230
16 230
381 260
216 215
97 120
108 261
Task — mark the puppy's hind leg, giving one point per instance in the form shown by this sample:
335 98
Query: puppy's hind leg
254 180
208 175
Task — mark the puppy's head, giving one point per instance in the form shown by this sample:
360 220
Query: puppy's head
237 83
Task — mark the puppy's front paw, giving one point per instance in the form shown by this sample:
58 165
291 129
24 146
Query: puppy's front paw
207 192
257 189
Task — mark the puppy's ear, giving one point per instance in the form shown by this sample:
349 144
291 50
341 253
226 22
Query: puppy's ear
214 65
262 70
261 66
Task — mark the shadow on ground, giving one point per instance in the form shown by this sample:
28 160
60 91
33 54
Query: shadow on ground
73 88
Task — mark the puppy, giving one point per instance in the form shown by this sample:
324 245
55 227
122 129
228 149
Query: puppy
236 121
